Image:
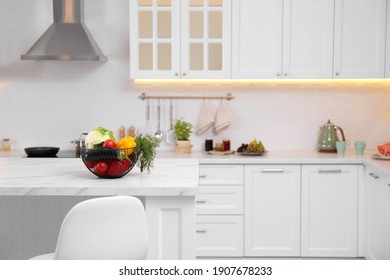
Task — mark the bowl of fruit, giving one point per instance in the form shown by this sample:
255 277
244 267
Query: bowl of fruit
107 158
254 148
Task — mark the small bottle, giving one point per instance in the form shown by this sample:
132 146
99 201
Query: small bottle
6 144
226 145
208 145
219 147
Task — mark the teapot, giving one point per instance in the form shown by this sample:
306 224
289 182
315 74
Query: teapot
328 137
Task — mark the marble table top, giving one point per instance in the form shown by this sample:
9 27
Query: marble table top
69 176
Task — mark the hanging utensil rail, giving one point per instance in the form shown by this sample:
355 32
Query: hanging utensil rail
144 96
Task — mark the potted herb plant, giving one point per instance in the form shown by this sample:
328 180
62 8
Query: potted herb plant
183 131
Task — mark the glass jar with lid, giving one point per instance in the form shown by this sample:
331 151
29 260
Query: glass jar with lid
6 144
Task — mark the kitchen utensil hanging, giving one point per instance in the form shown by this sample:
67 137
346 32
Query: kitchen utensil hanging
159 134
170 137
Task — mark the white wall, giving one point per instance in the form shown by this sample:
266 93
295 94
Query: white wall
51 103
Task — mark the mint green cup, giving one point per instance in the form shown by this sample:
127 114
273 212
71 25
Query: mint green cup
359 147
340 147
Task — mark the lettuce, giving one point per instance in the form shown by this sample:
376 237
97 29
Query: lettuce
97 136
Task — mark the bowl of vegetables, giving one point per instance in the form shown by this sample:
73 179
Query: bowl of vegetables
107 158
109 162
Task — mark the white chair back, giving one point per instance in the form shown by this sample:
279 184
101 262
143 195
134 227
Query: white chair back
107 228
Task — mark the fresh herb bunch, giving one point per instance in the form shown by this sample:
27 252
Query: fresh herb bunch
182 129
146 151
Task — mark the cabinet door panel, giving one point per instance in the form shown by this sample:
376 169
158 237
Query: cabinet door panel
376 218
329 211
272 210
154 39
257 39
308 39
206 39
220 200
359 47
221 175
219 236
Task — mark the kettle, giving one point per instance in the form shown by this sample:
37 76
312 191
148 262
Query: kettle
328 137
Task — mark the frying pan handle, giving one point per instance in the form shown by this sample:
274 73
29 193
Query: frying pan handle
341 131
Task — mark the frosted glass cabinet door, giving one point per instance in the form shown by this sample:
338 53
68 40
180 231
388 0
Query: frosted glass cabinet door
206 39
359 47
154 39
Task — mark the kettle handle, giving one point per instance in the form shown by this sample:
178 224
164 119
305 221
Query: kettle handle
341 131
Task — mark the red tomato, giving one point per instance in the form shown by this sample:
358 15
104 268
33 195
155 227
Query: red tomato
100 168
116 169
89 164
109 144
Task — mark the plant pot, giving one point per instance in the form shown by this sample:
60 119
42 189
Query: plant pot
183 147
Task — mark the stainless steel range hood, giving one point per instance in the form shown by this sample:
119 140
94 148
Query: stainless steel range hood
67 38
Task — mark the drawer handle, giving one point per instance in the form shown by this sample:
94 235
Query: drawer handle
201 201
202 176
374 175
201 230
273 170
330 171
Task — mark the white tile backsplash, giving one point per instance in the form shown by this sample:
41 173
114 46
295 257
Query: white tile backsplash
51 103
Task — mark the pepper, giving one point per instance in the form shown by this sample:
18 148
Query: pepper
127 144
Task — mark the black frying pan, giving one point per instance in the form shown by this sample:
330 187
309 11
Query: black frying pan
41 151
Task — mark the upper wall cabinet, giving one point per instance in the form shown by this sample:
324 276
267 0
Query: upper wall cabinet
388 45
359 42
282 39
174 39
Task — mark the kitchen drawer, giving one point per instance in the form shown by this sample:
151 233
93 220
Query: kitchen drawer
219 236
221 174
220 200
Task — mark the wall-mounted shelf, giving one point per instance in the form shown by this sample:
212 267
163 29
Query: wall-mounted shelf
144 96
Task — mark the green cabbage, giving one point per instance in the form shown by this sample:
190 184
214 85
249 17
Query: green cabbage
97 136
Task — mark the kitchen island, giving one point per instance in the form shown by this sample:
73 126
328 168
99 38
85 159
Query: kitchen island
168 194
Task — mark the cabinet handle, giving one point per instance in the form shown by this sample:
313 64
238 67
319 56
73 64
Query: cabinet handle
330 171
184 74
202 175
373 175
201 230
176 74
337 73
278 74
202 201
273 170
285 74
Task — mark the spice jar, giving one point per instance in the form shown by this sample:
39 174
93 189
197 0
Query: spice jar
219 147
226 145
6 144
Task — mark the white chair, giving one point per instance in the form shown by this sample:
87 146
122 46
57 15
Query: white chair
107 228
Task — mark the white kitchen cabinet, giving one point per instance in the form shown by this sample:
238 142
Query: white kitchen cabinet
282 39
359 39
272 210
173 39
219 236
219 210
377 215
329 211
154 39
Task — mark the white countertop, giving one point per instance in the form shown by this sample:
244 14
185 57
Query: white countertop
69 176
